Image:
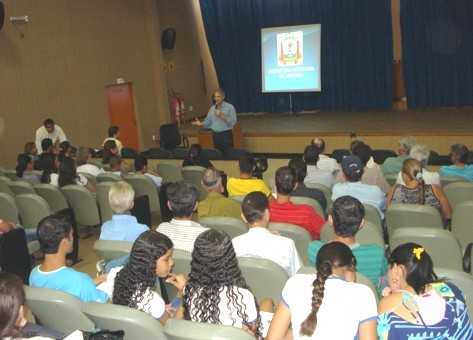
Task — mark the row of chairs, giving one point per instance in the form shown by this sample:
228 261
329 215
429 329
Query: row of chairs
65 313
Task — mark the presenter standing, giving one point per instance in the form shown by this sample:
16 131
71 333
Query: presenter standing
220 119
49 130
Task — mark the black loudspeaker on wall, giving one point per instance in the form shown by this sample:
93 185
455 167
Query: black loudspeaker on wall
168 39
2 14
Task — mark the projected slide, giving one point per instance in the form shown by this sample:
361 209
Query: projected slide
291 58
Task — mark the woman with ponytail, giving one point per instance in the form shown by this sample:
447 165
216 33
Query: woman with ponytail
415 191
326 305
417 305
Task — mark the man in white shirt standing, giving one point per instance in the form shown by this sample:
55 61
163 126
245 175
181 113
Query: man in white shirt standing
259 241
49 130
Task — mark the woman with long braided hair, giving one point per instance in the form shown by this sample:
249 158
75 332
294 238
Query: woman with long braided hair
415 191
216 291
338 309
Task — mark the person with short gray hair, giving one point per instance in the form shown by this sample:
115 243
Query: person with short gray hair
216 204
123 226
421 152
459 156
392 165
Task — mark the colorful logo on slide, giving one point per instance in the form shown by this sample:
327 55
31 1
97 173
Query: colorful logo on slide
290 47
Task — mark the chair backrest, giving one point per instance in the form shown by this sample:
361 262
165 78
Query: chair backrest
143 185
372 215
57 310
8 208
32 208
141 210
103 188
194 174
236 153
109 250
458 192
91 178
412 215
20 187
14 254
338 154
265 278
170 172
231 225
444 180
135 323
182 265
391 179
11 174
176 329
128 153
360 278
299 235
180 153
380 155
238 198
325 189
160 153
169 136
97 162
442 245
4 186
84 204
462 280
462 223
310 202
212 153
108 177
52 195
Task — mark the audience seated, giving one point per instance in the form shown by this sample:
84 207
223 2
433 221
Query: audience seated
373 175
182 201
195 157
68 175
346 219
392 165
56 240
123 226
245 183
133 285
421 152
115 163
417 304
13 324
216 204
259 241
114 135
352 169
50 164
23 170
283 210
141 167
83 157
314 173
6 226
216 291
325 162
415 191
301 189
47 147
110 149
326 305
458 155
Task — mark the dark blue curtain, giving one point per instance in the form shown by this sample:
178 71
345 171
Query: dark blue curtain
437 48
356 51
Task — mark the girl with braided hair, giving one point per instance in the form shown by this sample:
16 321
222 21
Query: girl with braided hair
418 305
338 308
415 191
133 284
216 291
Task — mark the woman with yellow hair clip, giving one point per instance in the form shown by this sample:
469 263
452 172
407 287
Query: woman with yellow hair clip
417 305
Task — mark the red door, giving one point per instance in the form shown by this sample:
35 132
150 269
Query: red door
121 109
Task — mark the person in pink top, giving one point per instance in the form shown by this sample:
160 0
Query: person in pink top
283 210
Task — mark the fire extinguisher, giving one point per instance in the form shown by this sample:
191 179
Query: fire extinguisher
176 108
183 108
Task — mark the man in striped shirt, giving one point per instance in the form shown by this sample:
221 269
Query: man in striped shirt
183 201
283 210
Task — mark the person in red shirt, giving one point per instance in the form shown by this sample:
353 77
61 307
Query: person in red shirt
283 210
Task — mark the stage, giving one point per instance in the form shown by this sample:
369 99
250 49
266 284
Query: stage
284 133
